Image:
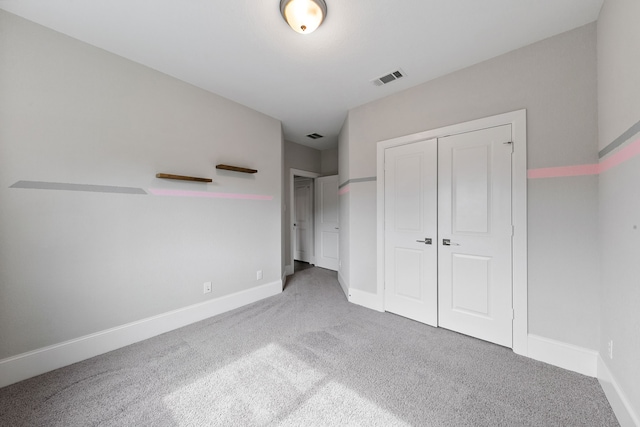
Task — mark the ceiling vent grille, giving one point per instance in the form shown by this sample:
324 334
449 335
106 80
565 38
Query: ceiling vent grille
314 136
392 76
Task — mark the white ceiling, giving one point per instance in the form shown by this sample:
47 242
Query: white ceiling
244 51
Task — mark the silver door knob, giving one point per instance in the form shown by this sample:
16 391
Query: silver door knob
447 242
426 241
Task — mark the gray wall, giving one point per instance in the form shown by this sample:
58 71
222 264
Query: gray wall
300 156
345 206
74 263
555 81
329 161
296 156
619 110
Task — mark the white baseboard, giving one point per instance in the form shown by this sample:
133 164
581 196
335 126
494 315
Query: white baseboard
344 285
621 405
288 270
563 355
365 299
36 362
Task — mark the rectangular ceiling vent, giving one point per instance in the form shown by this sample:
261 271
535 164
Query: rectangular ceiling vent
314 136
392 76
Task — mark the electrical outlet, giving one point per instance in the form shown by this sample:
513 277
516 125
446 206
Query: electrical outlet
259 275
610 349
206 288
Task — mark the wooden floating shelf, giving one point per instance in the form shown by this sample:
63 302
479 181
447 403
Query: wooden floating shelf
236 169
182 177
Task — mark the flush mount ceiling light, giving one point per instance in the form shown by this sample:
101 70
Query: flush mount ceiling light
304 16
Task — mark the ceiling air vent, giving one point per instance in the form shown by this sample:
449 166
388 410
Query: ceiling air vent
314 136
392 76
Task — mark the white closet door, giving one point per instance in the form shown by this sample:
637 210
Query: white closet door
411 287
475 234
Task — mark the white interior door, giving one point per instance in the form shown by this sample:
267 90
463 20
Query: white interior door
410 179
303 221
475 233
327 222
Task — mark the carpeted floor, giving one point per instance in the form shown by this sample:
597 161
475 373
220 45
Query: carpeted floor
308 358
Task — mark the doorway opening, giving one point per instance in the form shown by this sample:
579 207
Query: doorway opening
302 219
314 221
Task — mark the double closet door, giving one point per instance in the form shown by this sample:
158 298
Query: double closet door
448 233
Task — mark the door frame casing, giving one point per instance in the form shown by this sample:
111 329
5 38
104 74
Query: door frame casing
518 122
292 174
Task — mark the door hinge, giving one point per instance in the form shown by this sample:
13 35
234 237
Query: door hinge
510 144
513 314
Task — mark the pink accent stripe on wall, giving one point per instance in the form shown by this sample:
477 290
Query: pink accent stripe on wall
563 171
621 156
206 194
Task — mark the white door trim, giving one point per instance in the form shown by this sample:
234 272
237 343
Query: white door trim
518 121
293 173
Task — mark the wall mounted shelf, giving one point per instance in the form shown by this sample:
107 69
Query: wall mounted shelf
182 177
236 169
